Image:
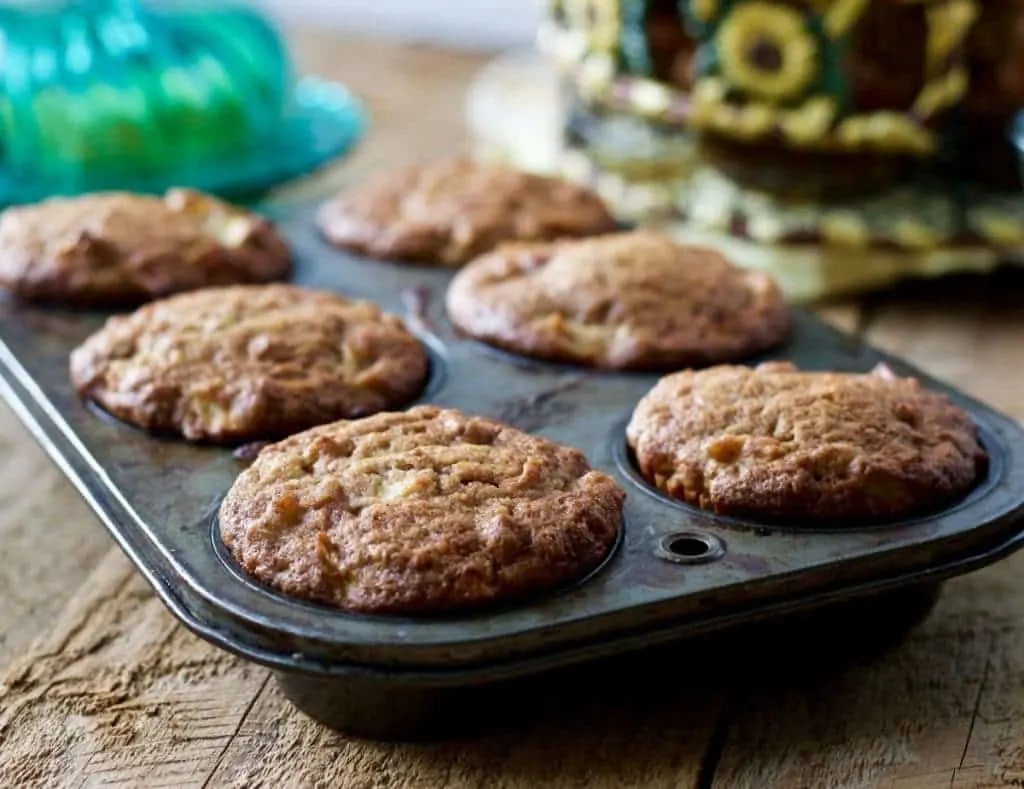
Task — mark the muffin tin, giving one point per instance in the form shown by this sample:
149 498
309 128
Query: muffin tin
676 571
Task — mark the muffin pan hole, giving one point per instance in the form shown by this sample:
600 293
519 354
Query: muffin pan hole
690 547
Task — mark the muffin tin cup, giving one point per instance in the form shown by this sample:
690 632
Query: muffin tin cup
676 572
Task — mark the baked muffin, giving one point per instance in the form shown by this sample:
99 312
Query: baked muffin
623 301
772 443
249 363
421 512
117 249
449 211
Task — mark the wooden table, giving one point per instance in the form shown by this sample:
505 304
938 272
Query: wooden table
103 687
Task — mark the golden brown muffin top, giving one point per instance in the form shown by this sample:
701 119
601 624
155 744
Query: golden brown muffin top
773 442
249 362
449 211
633 300
118 248
419 512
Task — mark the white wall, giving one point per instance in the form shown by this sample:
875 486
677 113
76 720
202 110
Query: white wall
469 24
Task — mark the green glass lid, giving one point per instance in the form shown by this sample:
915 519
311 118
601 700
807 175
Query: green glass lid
117 94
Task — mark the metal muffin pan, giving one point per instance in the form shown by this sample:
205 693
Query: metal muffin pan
676 571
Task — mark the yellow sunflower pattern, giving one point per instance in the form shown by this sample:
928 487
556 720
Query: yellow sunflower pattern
765 50
769 66
773 71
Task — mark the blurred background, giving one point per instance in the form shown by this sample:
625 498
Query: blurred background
474 25
794 137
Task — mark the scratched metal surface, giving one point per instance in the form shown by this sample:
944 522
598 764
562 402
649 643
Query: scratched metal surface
158 497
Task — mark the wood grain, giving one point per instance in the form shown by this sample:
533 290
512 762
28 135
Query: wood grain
911 715
38 507
119 693
966 330
612 737
114 692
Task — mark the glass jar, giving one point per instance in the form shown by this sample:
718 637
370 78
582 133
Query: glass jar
96 91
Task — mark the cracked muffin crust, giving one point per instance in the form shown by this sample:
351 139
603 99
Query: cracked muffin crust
249 362
117 248
447 212
773 442
633 300
420 512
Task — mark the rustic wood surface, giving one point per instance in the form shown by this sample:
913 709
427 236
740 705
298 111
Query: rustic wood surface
102 687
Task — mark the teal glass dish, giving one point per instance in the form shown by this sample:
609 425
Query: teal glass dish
123 94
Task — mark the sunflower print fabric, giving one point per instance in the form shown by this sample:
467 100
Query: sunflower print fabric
765 51
759 70
777 68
